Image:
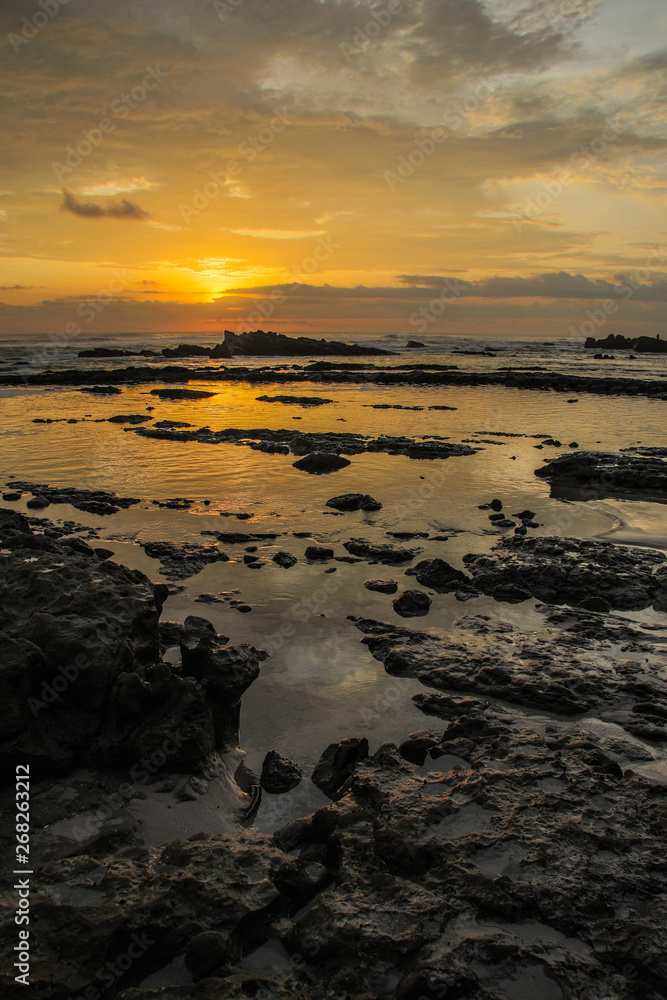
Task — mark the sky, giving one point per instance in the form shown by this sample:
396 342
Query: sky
466 167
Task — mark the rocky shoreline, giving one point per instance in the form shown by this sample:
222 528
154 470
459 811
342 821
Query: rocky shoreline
342 373
484 855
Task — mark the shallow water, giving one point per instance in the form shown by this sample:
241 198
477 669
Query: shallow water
320 683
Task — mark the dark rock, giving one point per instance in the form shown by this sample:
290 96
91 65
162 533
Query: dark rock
279 774
319 552
570 571
103 553
378 553
182 393
354 501
38 502
170 424
413 344
566 667
259 343
412 604
295 400
100 502
82 662
180 560
102 390
496 505
285 559
417 746
321 462
382 586
129 418
11 496
590 475
337 764
439 575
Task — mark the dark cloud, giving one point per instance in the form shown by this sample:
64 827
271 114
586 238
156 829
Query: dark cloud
122 209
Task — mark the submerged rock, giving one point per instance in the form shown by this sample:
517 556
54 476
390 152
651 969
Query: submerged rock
285 559
92 501
295 400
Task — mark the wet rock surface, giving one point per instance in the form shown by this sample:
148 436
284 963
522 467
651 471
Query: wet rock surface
182 393
590 475
322 452
82 673
412 604
469 879
91 501
385 586
569 667
321 462
600 576
388 554
181 560
354 501
279 774
295 400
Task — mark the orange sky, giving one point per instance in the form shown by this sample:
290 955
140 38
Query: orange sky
476 167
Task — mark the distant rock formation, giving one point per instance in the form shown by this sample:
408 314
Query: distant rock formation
617 342
254 343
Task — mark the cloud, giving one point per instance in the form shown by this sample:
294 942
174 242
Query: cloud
16 288
279 234
110 188
123 209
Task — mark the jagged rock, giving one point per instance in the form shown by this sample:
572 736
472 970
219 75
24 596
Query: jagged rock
354 501
338 762
439 575
412 604
320 463
571 571
568 667
82 675
279 774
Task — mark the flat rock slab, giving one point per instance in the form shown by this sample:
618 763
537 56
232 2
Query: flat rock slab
590 475
182 393
295 400
557 668
180 560
92 501
299 443
585 573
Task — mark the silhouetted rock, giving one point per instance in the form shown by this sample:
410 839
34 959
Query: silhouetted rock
321 462
354 501
279 774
